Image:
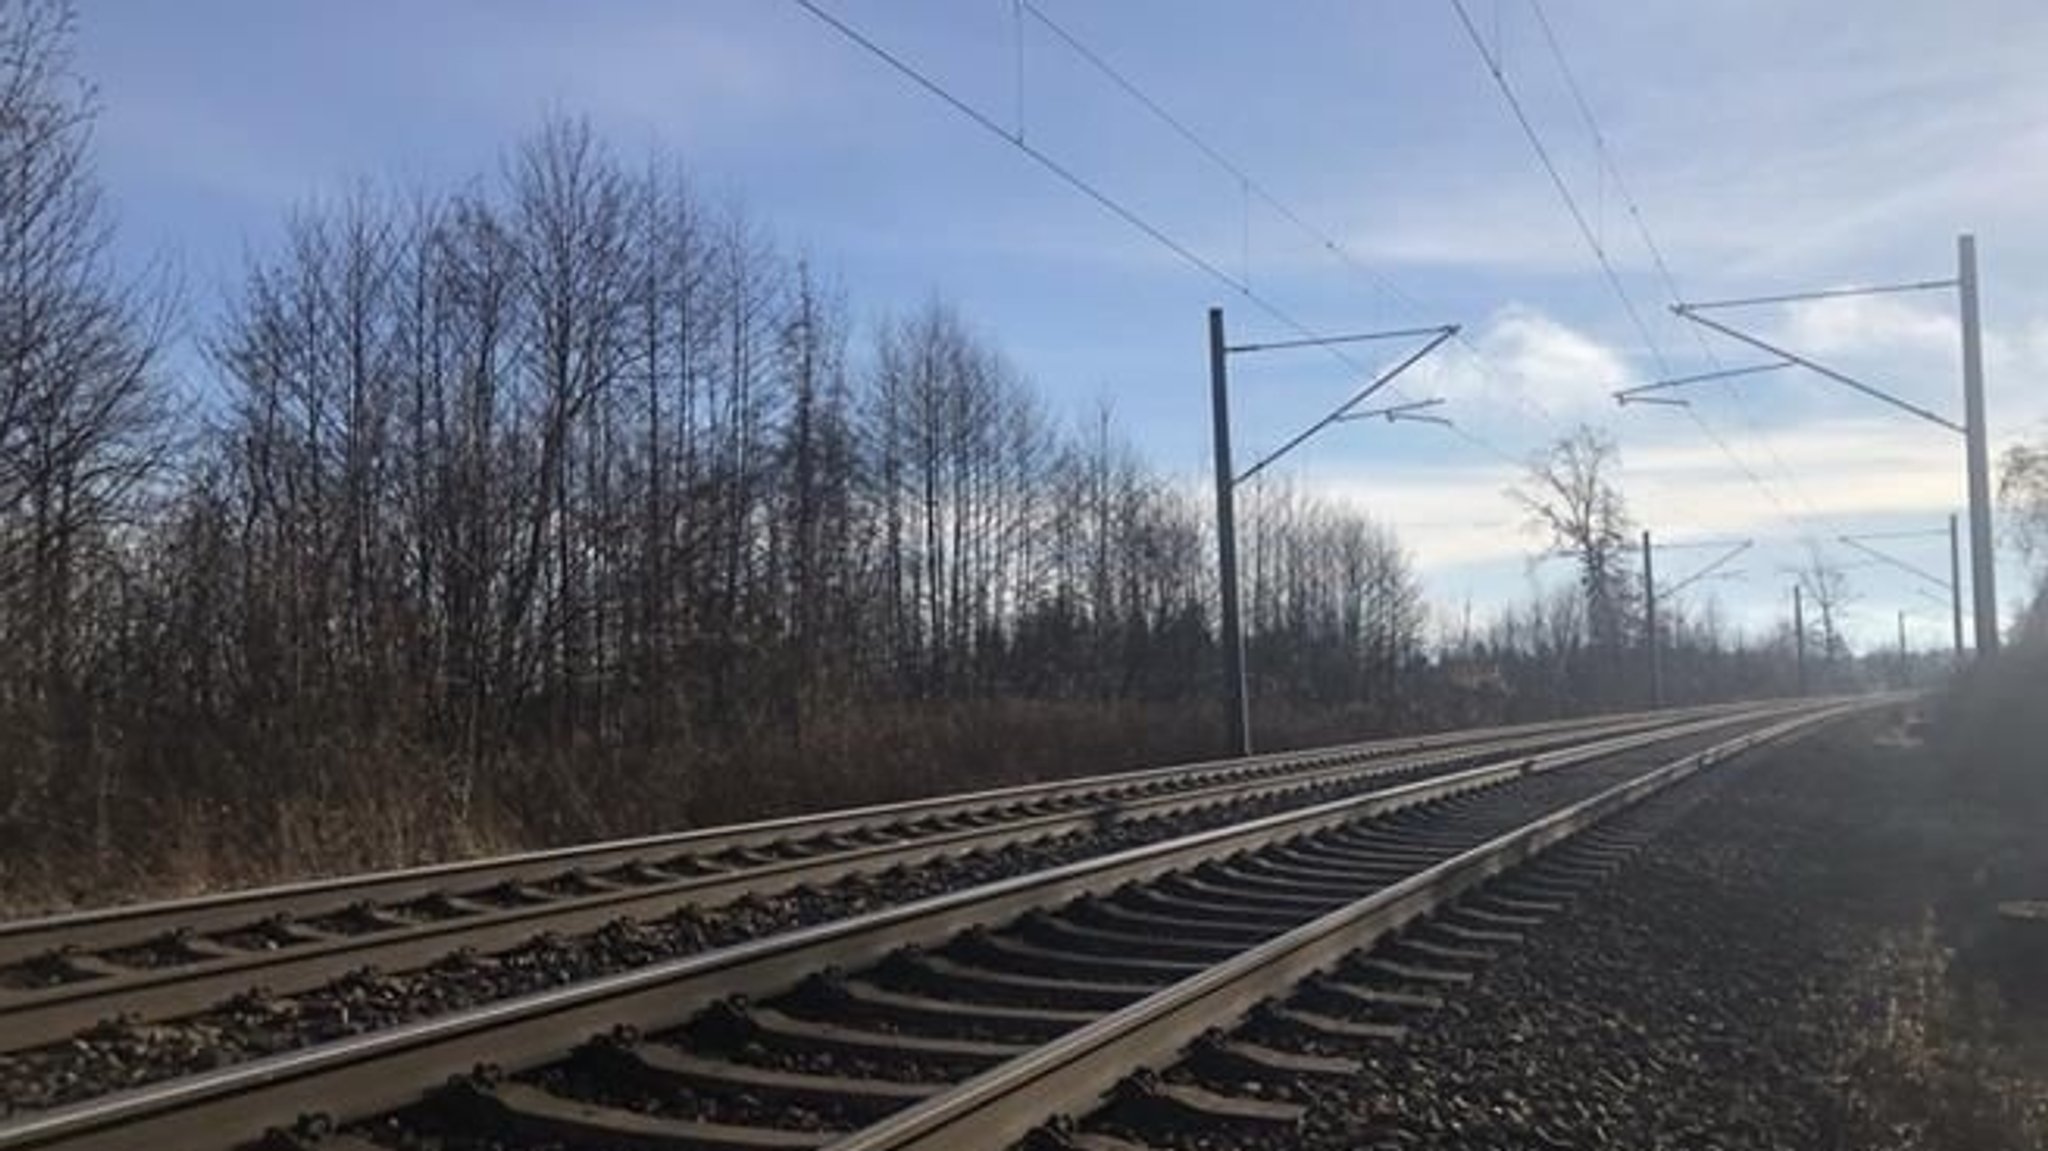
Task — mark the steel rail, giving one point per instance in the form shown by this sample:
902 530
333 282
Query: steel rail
1075 1073
36 1017
371 1074
101 928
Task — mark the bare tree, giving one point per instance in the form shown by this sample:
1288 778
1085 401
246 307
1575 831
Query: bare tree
1571 498
1828 596
1335 611
957 453
546 503
83 420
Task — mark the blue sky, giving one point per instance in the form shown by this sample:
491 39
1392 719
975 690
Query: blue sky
1770 146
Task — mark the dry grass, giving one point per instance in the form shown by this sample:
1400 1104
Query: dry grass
1957 1054
163 828
1932 1071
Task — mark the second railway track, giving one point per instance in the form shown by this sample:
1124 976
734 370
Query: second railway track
64 975
987 992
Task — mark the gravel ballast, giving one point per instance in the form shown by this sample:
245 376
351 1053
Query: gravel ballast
123 1054
1770 973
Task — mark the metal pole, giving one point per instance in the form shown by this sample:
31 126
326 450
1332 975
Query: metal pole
1650 623
1902 647
1983 586
1237 710
1955 580
1799 635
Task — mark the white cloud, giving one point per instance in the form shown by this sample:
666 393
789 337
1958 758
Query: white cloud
1865 325
1831 473
1560 365
1911 346
1455 232
1530 361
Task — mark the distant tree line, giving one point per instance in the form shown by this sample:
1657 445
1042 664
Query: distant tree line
573 502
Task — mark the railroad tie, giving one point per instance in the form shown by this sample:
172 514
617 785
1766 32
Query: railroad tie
1447 923
364 917
1371 858
577 881
1043 1023
1570 872
292 931
201 948
313 1133
1413 973
1249 878
1337 1028
531 1113
1412 942
659 1066
1353 996
78 966
1475 910
1217 889
805 1033
1054 961
1529 911
448 905
1179 1104
1217 1057
1060 931
1117 914
1102 995
1558 892
1156 898
1063 1135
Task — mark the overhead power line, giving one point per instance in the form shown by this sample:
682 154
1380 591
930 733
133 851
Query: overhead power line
1015 140
1612 167
1102 198
1194 259
1254 188
1564 191
1215 155
1592 239
1607 161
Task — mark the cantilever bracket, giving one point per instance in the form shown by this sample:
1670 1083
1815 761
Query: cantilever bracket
1639 393
1710 569
1345 409
1691 312
1895 562
1395 413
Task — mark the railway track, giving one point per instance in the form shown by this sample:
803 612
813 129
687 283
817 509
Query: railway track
1226 1058
963 1010
64 975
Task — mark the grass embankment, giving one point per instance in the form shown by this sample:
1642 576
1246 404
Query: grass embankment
147 829
1955 1050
